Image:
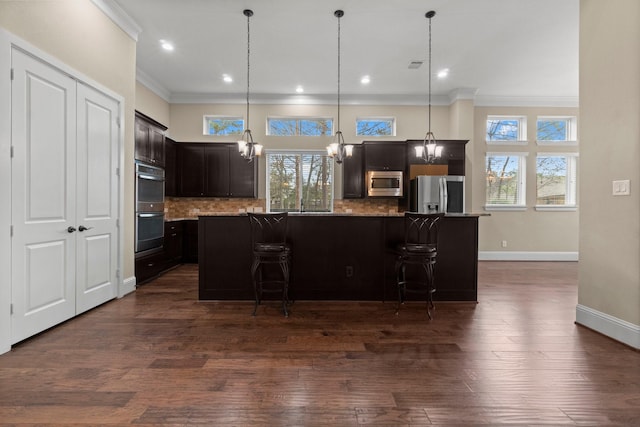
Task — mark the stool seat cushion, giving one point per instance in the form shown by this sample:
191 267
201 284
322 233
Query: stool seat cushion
271 247
417 248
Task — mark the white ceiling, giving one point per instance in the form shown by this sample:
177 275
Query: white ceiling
500 52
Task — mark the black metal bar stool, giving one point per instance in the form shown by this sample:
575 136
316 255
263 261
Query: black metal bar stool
420 249
270 247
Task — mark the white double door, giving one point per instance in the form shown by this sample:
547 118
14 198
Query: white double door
64 199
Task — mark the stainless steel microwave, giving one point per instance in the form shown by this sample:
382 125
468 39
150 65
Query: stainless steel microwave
384 183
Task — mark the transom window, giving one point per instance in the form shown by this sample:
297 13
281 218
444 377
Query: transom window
556 131
556 180
506 130
299 126
222 125
299 182
375 126
505 181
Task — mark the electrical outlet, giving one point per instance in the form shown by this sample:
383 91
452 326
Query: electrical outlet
504 243
349 271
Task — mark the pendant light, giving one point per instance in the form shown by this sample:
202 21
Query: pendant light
429 151
248 149
337 149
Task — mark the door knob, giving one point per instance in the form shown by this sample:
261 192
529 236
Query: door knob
70 229
83 228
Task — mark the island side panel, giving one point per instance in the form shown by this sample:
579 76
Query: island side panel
224 258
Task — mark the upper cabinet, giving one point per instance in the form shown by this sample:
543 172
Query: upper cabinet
170 167
353 174
214 170
380 156
149 140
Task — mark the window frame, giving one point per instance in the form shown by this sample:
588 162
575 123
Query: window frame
298 119
521 203
205 122
571 186
572 131
522 130
377 119
297 152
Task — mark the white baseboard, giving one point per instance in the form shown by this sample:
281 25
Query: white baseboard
128 286
526 256
617 329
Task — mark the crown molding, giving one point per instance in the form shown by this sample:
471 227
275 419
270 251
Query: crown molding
526 101
119 17
153 85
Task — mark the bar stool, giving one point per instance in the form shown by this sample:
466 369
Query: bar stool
420 248
269 246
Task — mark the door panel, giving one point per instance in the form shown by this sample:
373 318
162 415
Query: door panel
43 180
96 198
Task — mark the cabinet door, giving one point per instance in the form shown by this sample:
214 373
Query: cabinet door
242 175
142 141
173 241
353 174
156 146
217 170
385 156
191 170
170 168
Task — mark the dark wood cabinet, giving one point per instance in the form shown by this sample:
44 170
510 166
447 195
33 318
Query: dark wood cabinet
214 170
380 156
173 242
190 248
170 168
191 170
353 174
149 140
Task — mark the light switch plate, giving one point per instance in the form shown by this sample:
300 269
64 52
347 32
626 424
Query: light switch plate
621 188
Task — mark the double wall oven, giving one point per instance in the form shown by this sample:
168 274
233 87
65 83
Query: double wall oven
149 208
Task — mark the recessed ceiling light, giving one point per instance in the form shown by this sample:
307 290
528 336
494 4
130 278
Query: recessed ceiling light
365 80
227 78
443 73
299 89
166 45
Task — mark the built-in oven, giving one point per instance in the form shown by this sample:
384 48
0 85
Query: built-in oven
149 208
385 183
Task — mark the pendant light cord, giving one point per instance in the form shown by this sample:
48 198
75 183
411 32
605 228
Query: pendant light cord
429 131
248 13
338 13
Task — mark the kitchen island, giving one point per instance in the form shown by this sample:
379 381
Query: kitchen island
336 257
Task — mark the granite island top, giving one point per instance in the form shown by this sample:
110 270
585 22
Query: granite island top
330 214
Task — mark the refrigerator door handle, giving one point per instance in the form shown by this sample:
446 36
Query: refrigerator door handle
443 194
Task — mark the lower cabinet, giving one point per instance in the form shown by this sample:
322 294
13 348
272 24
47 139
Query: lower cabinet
180 245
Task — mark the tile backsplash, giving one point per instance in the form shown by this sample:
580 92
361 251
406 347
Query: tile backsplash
191 207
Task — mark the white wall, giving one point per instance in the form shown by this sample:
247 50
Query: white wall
609 277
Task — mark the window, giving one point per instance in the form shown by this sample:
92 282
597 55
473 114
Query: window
506 130
556 131
299 181
556 181
376 126
299 126
505 179
222 125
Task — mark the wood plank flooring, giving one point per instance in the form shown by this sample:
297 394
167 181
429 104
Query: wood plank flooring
161 358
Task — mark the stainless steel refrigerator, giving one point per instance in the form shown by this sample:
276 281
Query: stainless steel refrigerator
429 194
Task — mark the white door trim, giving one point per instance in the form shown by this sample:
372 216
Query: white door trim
7 41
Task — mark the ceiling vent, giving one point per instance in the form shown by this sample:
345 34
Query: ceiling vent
414 65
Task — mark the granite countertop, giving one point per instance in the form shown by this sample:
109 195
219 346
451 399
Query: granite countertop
333 214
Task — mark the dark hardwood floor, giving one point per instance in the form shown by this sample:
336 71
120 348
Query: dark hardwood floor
160 357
